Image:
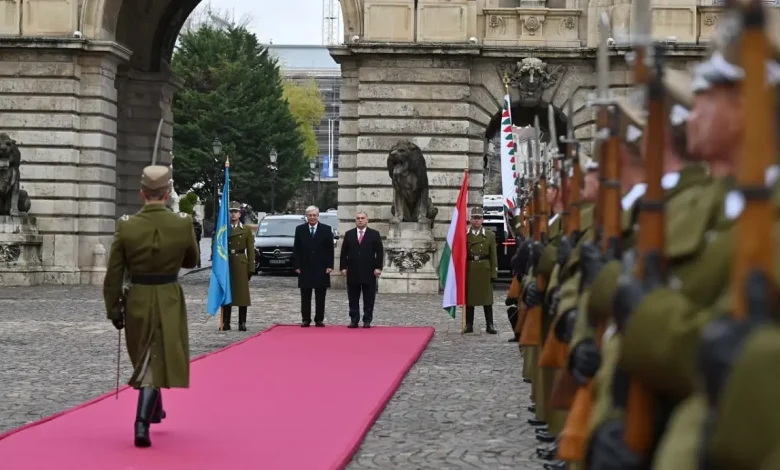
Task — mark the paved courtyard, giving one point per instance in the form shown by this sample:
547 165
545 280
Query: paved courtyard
461 406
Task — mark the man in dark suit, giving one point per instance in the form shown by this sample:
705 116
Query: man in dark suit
313 261
361 261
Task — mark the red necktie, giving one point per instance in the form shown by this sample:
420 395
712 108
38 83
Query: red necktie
360 237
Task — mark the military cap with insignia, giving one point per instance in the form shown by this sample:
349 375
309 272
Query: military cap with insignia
476 212
235 206
155 177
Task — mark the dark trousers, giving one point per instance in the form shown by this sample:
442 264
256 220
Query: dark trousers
319 304
199 255
227 311
488 315
369 295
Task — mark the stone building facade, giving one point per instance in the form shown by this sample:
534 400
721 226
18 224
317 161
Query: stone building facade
84 83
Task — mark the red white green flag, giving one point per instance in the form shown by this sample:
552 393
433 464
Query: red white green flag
508 160
452 266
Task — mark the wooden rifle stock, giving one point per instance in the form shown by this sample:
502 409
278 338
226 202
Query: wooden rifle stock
639 404
754 250
563 391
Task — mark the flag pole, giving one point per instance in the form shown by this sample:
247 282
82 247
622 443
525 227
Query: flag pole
221 319
463 307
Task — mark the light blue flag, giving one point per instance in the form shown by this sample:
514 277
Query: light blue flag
219 288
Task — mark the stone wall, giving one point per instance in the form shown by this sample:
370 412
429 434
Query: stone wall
59 102
387 98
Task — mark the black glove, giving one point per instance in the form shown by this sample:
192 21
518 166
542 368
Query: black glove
509 301
119 323
511 312
592 261
520 260
608 451
564 251
555 299
584 361
532 295
536 253
722 339
631 291
564 327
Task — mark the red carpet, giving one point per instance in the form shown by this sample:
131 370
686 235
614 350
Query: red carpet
286 399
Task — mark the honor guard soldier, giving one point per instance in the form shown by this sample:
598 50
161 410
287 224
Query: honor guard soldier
241 248
150 248
481 270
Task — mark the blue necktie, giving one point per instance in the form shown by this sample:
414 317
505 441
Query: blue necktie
312 231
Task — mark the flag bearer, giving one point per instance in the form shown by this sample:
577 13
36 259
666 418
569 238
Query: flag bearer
241 252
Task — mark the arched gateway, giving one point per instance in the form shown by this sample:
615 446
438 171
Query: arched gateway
83 84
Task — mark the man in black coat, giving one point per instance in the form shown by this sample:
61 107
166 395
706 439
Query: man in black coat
361 261
313 261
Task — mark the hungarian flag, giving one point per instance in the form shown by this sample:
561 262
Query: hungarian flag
452 267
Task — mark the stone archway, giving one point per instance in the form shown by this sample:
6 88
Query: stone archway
145 85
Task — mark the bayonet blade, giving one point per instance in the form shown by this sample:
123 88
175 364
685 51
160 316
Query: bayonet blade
552 129
602 60
157 143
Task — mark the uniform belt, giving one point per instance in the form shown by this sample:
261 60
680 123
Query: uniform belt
153 279
479 258
238 252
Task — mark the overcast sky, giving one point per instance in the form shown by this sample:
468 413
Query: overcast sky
280 21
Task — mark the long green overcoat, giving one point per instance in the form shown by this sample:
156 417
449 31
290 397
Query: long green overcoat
480 273
242 263
153 241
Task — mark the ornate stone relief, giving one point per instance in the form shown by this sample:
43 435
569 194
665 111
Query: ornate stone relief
10 253
531 77
407 260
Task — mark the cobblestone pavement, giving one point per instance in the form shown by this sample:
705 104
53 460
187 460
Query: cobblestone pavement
461 406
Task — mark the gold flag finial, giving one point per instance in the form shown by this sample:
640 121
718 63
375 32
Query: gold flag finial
227 162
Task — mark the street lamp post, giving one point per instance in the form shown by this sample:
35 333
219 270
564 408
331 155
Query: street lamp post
313 166
216 149
273 157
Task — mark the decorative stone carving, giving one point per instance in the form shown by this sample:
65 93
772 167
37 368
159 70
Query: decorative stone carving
532 23
10 253
13 199
409 175
407 260
709 19
568 22
531 77
410 249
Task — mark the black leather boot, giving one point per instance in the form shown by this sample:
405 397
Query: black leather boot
469 320
489 329
241 318
226 311
147 400
159 412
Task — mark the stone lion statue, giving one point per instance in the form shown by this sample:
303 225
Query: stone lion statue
13 199
409 175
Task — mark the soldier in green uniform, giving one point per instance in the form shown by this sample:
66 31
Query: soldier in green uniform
150 248
481 270
241 249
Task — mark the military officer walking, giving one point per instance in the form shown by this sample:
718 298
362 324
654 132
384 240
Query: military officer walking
481 270
150 248
241 250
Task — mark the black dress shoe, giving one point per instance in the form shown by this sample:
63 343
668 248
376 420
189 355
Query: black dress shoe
549 455
319 324
305 324
546 437
555 466
536 422
541 429
528 381
547 449
532 408
366 324
242 327
353 324
514 340
490 330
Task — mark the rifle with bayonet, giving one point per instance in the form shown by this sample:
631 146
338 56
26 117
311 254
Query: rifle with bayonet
630 393
572 446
